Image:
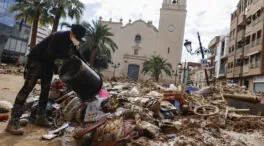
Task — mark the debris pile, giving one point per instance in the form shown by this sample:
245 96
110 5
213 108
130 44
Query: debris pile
5 107
147 114
6 69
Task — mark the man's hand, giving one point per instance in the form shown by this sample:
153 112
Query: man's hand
74 57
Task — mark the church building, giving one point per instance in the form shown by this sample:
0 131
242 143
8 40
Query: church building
139 40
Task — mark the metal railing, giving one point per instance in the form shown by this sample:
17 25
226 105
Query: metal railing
258 41
256 21
246 48
257 64
253 43
252 65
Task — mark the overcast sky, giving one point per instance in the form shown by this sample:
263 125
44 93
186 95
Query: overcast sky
209 17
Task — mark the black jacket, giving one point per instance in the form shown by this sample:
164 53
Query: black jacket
56 46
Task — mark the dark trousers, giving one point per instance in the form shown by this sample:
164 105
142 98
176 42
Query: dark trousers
34 70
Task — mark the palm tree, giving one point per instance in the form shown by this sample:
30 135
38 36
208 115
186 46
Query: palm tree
63 8
33 11
102 59
155 65
99 39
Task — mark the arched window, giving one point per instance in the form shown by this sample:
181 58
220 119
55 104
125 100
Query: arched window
138 39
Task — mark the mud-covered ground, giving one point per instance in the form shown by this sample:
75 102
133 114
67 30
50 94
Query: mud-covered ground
195 130
9 87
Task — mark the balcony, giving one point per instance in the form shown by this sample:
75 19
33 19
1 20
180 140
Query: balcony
253 43
239 52
252 66
210 66
245 68
246 48
211 56
223 55
230 70
234 21
242 20
258 41
222 72
211 76
256 21
229 73
241 35
257 64
237 70
232 53
214 42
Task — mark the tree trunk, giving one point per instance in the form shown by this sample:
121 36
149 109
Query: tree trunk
156 78
34 30
56 21
92 57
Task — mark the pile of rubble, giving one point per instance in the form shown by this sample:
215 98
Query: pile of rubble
6 69
142 114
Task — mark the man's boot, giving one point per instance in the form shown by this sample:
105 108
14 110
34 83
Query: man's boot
13 126
42 119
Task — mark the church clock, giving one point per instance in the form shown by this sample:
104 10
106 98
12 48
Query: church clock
171 28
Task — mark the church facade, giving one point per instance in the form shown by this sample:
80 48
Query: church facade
139 40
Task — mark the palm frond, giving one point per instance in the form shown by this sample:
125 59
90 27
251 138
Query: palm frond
63 24
155 66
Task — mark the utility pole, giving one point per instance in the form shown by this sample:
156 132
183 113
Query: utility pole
201 49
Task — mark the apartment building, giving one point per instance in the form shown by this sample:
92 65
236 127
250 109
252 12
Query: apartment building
14 37
199 78
42 33
221 59
245 64
185 72
216 63
211 68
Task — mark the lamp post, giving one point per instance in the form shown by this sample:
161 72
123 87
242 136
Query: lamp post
184 69
115 66
175 73
180 68
201 49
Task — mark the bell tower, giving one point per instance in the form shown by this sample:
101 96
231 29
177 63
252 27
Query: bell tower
171 30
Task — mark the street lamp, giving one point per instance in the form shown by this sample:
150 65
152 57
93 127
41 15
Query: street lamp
188 46
180 71
180 68
175 74
115 66
200 50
